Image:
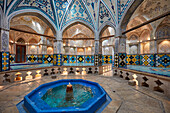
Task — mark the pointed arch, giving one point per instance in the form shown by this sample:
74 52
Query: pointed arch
73 13
34 12
105 25
112 15
80 34
104 15
163 27
128 13
76 22
21 40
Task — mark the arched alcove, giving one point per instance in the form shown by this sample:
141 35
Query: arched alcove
162 36
80 37
132 44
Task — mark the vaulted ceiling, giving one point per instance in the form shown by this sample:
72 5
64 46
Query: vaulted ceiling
60 13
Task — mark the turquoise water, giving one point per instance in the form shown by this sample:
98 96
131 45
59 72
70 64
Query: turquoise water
56 97
15 67
154 70
78 64
25 66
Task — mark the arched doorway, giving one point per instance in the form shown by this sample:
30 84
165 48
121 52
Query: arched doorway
108 44
20 51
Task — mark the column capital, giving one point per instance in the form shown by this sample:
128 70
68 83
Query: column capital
96 34
58 40
4 24
118 31
59 35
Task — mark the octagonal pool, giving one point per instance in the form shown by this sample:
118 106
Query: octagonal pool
87 97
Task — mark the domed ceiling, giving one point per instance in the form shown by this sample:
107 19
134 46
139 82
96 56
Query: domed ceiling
61 13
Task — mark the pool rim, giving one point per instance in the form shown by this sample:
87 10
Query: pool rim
92 107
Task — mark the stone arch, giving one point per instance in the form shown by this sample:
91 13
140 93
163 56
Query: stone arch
47 30
145 33
162 31
25 36
128 13
21 40
133 45
80 34
105 26
76 22
34 12
33 41
133 34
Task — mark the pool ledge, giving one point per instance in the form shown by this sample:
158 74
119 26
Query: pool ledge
98 104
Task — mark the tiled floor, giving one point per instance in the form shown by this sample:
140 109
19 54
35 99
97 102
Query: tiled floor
125 98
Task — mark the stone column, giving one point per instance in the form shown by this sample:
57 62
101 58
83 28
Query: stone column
43 43
58 48
98 50
139 48
4 43
120 50
27 46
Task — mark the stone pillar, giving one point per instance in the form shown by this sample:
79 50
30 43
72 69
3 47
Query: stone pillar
43 43
120 50
4 49
27 46
14 48
139 48
4 43
155 47
98 50
58 48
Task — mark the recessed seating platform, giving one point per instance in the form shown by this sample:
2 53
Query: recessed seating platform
139 74
152 70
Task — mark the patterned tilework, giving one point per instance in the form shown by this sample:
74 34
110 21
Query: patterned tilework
9 1
55 59
122 5
61 6
132 60
122 60
104 15
116 60
88 59
40 58
96 60
12 58
47 59
43 5
65 58
92 59
77 10
163 60
92 6
100 60
0 61
5 63
107 59
147 60
59 59
80 59
32 58
111 4
1 3
73 59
